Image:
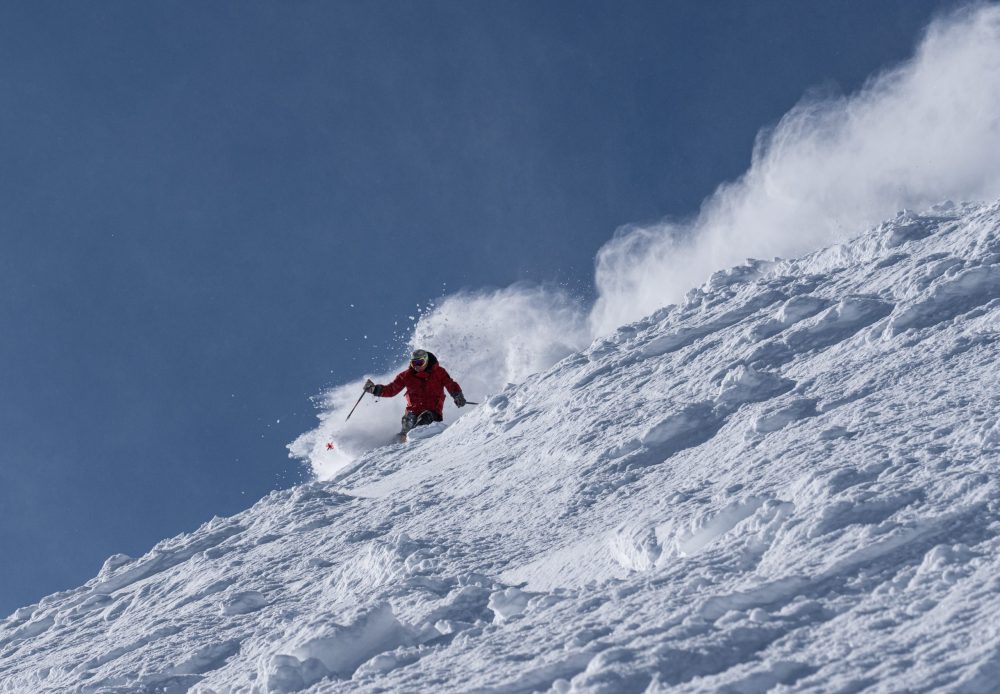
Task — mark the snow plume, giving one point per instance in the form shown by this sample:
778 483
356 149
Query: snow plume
491 338
922 132
485 339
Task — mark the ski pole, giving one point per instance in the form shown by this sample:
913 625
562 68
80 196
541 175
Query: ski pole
356 404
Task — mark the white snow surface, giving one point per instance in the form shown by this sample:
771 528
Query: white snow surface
787 482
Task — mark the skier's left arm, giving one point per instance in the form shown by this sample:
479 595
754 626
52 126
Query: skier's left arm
453 388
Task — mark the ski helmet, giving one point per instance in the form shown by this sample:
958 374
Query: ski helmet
419 358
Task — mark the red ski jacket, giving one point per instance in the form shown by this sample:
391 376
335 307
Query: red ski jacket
424 389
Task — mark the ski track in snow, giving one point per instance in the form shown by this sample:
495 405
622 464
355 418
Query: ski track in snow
786 482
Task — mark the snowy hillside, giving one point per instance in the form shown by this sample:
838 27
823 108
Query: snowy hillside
788 481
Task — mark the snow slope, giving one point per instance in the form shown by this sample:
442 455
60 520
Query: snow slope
786 482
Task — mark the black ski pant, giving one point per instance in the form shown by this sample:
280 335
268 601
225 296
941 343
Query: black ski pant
419 419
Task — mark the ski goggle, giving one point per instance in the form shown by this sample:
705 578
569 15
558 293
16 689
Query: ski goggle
418 362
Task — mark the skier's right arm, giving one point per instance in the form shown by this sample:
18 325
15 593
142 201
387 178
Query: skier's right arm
386 391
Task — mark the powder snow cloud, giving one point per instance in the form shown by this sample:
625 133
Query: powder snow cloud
924 131
914 135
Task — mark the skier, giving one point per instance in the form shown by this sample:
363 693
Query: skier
425 382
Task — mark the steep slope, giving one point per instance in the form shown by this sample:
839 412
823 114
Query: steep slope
788 480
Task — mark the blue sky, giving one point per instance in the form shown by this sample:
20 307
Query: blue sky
205 208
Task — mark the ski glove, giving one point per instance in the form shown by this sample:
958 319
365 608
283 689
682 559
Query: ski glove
370 387
459 399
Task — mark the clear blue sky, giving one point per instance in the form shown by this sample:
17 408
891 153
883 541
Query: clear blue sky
193 194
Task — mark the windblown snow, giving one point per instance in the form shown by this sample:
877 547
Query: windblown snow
786 482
